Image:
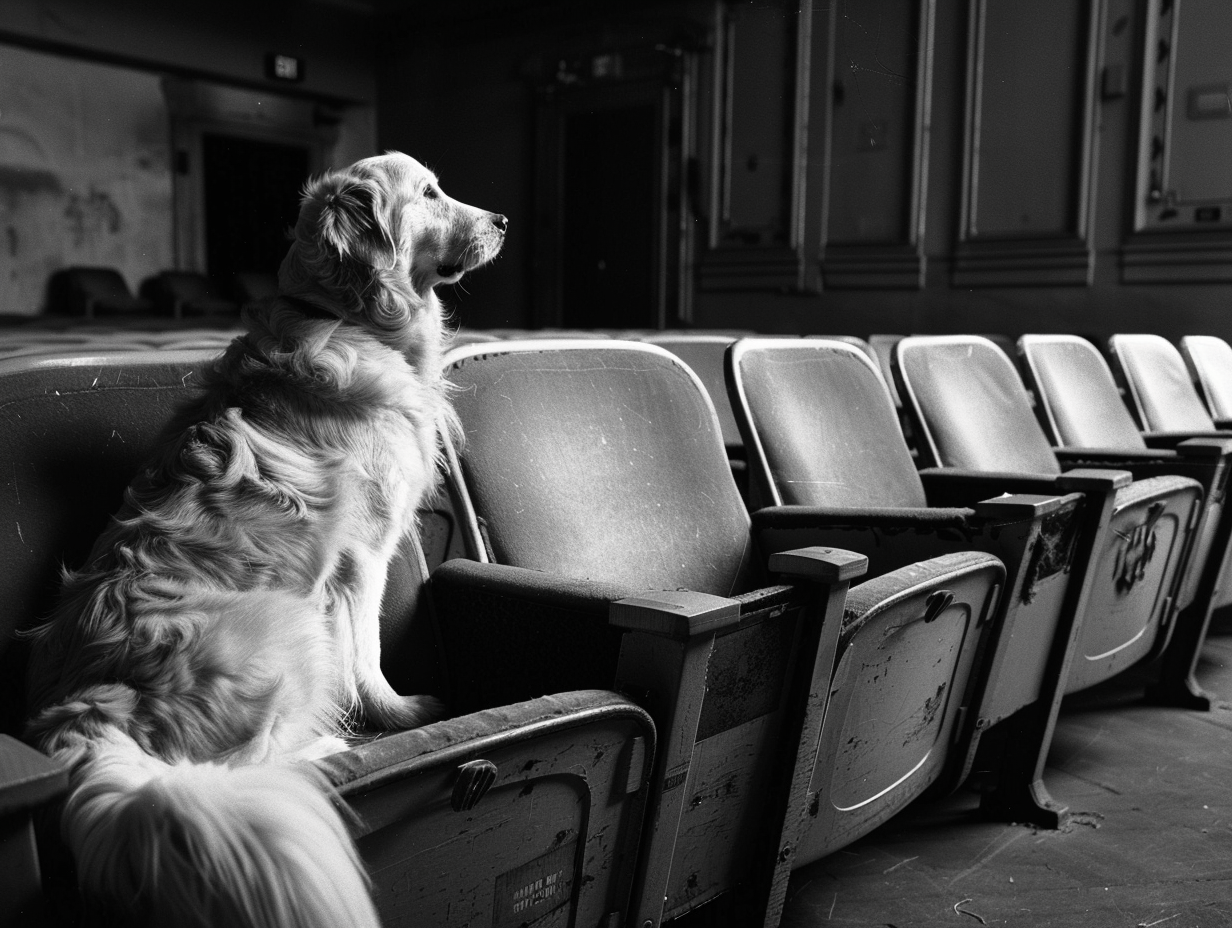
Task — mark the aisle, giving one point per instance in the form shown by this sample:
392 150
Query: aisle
1151 847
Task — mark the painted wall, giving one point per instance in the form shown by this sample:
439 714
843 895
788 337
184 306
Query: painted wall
84 173
476 124
220 39
85 160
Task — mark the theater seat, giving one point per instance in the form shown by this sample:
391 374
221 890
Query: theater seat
93 292
524 812
611 548
1209 360
184 294
1157 385
829 464
1084 416
973 414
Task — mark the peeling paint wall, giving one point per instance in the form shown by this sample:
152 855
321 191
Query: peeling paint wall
84 173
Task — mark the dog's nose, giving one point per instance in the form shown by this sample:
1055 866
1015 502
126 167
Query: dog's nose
500 221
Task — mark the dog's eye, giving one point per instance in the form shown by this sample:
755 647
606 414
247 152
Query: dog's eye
430 193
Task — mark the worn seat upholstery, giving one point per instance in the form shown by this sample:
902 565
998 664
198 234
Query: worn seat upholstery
455 820
1084 416
827 460
594 474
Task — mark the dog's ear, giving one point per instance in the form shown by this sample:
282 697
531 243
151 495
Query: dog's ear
352 223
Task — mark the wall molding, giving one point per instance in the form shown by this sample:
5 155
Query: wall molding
1060 258
737 258
896 263
1168 243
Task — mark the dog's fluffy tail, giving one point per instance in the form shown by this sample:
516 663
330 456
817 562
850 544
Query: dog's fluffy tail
204 844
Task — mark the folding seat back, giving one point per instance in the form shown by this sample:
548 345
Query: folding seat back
973 412
704 354
1077 394
1157 384
601 465
971 406
525 813
1209 360
821 427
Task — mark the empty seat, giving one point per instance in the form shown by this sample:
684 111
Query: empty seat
1209 360
93 292
526 812
829 465
1082 411
185 294
1157 385
593 475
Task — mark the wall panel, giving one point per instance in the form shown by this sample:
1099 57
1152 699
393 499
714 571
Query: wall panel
1030 136
879 56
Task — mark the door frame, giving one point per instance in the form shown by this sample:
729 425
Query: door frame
663 77
197 109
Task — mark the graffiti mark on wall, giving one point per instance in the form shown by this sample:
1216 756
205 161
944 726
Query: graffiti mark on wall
90 215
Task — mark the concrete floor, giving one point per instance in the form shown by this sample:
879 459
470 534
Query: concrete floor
1150 845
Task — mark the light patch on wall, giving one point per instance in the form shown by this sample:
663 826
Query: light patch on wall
84 173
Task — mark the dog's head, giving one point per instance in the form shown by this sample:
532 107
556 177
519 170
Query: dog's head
372 241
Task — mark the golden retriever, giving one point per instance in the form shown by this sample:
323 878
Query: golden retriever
224 629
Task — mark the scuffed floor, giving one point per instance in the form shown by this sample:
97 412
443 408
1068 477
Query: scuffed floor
1151 845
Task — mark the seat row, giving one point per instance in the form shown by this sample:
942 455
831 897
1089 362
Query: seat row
734 689
102 293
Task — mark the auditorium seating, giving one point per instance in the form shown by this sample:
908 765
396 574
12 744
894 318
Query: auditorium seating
593 472
721 697
972 413
1082 412
523 812
829 466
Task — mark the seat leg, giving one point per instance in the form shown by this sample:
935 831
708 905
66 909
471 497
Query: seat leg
1019 794
1177 685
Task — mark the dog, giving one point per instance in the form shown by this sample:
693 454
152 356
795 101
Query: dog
224 630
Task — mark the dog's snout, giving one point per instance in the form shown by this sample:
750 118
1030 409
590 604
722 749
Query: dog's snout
500 221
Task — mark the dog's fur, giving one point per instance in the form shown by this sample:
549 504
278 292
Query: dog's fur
225 627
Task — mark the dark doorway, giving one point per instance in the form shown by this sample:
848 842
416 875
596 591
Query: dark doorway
252 192
607 240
